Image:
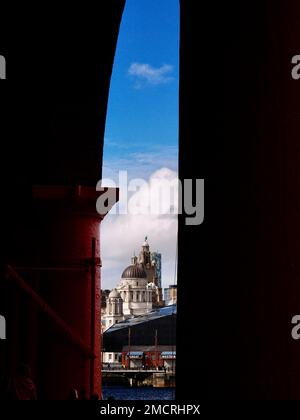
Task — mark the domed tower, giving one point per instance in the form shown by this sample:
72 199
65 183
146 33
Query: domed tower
137 299
114 309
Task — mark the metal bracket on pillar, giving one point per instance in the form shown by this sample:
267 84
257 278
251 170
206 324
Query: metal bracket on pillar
93 262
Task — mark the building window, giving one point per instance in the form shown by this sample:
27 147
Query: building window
109 356
116 357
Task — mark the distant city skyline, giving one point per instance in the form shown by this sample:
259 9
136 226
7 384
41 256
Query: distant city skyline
142 129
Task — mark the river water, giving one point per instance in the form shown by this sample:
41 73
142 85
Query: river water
144 393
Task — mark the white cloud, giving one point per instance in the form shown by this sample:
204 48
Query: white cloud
121 235
147 74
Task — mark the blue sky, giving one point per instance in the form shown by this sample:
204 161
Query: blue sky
142 130
142 120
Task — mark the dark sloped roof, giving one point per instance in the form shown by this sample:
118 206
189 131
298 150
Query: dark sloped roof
134 272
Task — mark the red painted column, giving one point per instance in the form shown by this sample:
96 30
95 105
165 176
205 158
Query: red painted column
67 235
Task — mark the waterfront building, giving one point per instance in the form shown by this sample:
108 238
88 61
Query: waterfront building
170 295
156 327
144 342
137 293
138 290
135 290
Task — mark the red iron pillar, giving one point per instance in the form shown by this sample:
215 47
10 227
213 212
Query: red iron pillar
67 338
